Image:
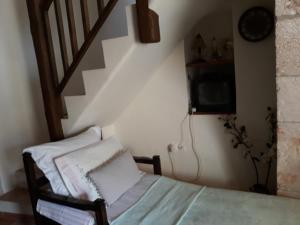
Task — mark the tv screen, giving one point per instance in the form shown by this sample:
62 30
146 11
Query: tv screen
213 93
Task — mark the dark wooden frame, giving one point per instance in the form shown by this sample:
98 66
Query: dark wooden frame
36 191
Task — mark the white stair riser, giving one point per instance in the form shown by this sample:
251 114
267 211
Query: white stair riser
131 64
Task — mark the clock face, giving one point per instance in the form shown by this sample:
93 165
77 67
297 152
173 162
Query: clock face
256 24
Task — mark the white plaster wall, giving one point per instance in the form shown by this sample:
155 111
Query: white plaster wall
152 120
115 26
106 99
22 120
255 65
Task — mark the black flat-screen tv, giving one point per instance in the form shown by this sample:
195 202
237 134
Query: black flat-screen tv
213 93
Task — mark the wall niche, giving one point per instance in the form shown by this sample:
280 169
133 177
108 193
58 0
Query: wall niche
209 53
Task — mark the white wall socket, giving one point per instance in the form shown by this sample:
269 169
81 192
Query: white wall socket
175 147
170 148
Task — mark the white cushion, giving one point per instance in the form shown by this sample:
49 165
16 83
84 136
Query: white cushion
116 177
73 167
45 154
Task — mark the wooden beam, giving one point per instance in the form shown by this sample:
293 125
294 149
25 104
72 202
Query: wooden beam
52 101
148 23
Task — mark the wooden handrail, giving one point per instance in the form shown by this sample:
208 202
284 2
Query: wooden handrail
148 23
85 46
40 26
89 35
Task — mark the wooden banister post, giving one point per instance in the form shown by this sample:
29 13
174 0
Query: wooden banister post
157 165
52 101
148 22
31 177
100 212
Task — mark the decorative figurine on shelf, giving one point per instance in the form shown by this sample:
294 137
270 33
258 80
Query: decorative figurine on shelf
216 53
198 48
228 49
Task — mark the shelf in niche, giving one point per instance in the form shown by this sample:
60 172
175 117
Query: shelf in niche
209 63
212 113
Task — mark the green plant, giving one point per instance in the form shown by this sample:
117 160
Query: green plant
240 138
270 154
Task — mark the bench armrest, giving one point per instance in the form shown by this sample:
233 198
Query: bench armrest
97 206
155 161
69 201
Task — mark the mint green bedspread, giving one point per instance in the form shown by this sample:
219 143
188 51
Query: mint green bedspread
170 202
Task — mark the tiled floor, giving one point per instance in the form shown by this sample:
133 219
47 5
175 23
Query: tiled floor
19 196
12 219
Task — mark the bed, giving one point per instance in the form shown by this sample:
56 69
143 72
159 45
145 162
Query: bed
151 199
160 200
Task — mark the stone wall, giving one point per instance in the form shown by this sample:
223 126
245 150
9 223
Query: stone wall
288 87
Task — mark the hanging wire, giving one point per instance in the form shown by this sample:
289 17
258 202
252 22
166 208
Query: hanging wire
192 145
194 148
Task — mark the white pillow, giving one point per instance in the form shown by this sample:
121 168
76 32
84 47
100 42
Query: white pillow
73 167
116 177
44 155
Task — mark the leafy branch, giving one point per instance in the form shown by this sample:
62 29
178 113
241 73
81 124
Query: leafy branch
271 153
240 138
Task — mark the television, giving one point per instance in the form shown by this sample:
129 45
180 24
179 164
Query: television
213 93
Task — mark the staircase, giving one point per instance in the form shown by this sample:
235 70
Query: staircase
130 64
104 66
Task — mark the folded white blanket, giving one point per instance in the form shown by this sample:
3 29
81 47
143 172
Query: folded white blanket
73 167
64 215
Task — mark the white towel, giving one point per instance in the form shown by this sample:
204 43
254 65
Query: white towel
64 215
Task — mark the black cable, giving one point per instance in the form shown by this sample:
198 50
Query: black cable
193 148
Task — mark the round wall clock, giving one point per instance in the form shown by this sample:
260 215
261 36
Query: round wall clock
256 24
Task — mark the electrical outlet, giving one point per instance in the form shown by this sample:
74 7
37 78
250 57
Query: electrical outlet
170 148
180 147
175 148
